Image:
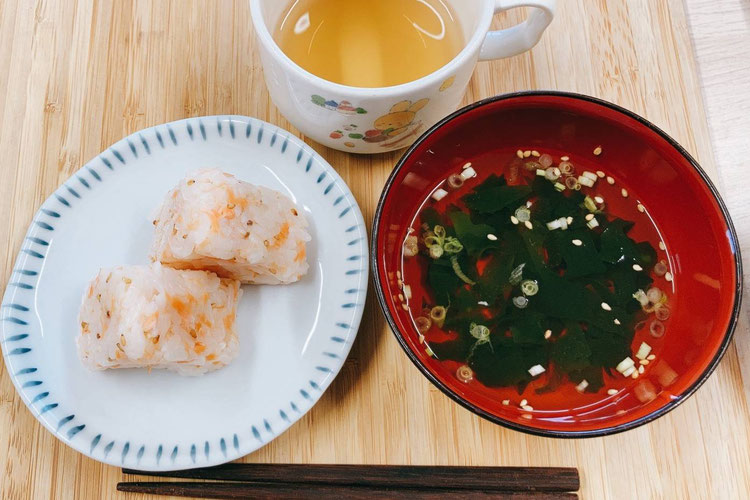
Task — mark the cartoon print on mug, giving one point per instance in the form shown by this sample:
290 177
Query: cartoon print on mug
350 131
343 107
448 83
398 126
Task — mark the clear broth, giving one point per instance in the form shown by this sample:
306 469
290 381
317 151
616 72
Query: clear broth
369 43
565 403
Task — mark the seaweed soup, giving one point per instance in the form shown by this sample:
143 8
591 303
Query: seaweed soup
544 284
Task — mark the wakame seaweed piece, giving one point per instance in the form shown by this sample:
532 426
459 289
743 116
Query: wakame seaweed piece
580 260
494 194
545 189
554 381
493 282
646 254
464 299
543 209
553 242
603 318
442 280
528 327
463 311
472 236
569 205
623 224
533 241
625 282
565 299
607 349
457 349
505 365
554 204
571 352
431 217
460 322
594 375
493 180
615 246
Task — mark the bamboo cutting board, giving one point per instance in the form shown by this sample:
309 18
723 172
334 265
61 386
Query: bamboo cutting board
78 76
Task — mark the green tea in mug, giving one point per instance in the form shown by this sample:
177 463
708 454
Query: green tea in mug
369 43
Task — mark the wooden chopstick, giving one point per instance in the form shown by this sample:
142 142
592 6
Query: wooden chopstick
299 491
521 479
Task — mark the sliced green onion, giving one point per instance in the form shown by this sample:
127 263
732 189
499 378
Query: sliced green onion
437 315
566 167
662 312
590 175
468 172
411 246
439 231
455 181
516 275
625 364
654 295
536 370
452 245
552 173
590 204
479 332
459 272
649 308
432 240
643 351
559 187
410 250
656 329
464 373
660 269
523 214
529 287
436 251
439 194
423 324
520 302
482 334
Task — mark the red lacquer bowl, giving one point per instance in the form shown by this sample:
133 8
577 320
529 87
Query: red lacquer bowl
685 206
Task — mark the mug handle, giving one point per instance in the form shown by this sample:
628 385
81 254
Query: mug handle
521 37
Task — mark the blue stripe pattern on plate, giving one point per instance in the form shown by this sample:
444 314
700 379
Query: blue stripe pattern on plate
89 177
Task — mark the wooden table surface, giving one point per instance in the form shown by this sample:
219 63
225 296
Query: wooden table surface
78 76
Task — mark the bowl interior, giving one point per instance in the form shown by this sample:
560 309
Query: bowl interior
656 172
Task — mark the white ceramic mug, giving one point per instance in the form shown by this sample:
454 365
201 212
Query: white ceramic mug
376 120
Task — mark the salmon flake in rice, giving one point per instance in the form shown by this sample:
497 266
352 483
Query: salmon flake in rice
159 317
233 228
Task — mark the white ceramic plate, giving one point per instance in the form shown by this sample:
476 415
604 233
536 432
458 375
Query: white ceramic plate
293 339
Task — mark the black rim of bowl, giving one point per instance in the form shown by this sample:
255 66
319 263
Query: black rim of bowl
534 430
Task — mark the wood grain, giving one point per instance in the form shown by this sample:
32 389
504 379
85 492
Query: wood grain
75 76
721 37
